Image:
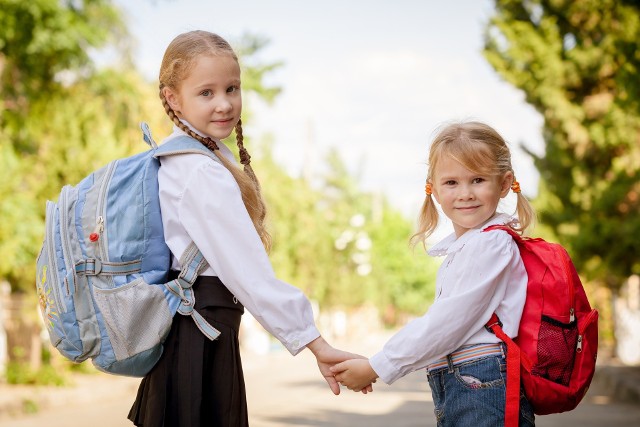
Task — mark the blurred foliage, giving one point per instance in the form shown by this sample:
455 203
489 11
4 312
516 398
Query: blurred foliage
577 62
342 246
63 117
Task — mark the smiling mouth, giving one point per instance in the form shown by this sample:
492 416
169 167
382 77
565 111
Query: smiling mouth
467 208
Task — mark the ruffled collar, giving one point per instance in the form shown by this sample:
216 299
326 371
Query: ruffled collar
451 243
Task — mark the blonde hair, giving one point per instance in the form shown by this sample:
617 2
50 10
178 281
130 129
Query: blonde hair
481 149
178 61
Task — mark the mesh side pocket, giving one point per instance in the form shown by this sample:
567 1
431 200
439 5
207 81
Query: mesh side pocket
557 343
137 317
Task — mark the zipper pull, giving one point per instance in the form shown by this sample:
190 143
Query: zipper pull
572 315
579 346
93 237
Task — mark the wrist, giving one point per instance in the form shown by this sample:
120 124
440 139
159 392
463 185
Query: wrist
317 345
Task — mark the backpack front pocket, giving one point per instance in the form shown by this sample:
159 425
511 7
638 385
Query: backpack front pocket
136 316
556 358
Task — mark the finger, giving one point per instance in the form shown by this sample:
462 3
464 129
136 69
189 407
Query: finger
333 384
338 367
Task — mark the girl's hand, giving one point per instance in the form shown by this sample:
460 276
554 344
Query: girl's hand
327 356
355 374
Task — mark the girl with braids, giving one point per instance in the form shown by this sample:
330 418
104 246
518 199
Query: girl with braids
482 273
217 206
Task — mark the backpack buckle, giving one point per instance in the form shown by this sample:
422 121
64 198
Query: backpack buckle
89 267
495 320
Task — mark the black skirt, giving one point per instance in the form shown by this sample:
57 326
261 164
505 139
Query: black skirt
197 382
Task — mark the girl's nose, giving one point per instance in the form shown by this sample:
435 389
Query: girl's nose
465 193
223 105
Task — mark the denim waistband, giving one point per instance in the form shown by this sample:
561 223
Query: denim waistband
465 354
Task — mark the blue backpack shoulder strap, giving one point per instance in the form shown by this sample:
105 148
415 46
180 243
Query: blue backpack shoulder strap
192 260
183 144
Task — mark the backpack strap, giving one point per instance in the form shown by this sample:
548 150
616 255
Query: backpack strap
494 325
183 144
193 263
146 135
518 238
512 409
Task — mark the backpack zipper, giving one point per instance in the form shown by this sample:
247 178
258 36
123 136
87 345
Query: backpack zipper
586 322
51 254
102 213
67 255
567 270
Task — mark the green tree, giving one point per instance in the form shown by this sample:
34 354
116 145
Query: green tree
578 63
343 246
47 84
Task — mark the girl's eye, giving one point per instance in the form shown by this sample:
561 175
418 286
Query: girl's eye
206 92
478 180
450 182
233 89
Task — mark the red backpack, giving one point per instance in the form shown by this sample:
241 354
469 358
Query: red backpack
557 340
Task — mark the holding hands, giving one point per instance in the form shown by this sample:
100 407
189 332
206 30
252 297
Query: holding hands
355 374
327 356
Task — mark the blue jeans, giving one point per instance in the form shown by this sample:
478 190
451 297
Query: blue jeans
472 394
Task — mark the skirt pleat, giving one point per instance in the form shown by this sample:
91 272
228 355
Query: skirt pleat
197 382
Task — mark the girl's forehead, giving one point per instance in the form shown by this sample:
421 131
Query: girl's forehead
449 165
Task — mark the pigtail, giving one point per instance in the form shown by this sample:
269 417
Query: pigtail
526 213
427 220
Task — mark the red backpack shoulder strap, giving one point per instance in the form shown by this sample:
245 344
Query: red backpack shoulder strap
512 408
518 238
494 325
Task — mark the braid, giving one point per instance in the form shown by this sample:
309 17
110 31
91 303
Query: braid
207 142
247 180
245 159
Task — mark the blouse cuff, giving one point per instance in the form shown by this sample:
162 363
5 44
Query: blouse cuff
299 342
384 368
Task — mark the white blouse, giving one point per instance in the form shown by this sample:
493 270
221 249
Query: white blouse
201 202
482 273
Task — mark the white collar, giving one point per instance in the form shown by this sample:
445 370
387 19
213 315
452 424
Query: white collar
451 243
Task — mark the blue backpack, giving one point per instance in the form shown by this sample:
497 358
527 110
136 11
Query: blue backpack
102 270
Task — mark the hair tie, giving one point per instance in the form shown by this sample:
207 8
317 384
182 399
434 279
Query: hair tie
515 186
428 188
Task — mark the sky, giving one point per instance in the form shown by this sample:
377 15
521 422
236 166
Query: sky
372 78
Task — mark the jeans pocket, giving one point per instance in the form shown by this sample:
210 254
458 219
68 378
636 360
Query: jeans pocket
481 374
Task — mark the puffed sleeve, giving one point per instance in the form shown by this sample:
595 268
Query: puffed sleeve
475 279
213 214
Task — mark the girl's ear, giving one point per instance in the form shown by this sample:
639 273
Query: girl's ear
505 186
434 192
172 99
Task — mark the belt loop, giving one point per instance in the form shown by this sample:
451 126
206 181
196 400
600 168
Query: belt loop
450 363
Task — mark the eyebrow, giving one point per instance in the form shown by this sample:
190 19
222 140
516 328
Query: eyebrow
234 82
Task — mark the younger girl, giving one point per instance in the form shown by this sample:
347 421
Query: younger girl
482 273
217 206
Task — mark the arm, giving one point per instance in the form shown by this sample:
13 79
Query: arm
355 374
327 356
215 218
475 284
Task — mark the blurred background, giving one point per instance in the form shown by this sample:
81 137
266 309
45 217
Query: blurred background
341 102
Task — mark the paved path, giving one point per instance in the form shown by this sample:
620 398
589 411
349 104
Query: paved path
285 391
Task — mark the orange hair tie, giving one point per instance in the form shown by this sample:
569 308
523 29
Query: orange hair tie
515 186
428 189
